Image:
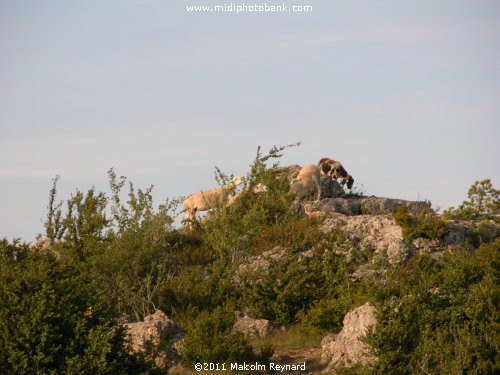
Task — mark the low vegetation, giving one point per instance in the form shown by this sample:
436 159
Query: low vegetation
118 257
441 316
424 224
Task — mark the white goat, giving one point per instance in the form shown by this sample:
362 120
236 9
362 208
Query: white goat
205 200
306 180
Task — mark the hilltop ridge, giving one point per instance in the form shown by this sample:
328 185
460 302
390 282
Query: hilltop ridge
345 284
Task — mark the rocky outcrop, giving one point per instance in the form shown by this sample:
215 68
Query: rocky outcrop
258 266
255 327
376 233
345 206
364 205
155 329
347 348
260 263
330 188
381 235
457 233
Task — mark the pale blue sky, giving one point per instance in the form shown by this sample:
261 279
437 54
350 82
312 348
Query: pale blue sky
406 94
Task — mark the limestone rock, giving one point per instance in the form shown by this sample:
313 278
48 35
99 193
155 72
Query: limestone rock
330 188
381 234
257 267
346 206
157 329
380 205
261 263
364 205
255 327
376 232
347 348
458 233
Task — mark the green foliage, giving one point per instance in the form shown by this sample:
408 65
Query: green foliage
121 257
237 227
210 339
441 316
53 225
483 204
54 321
327 313
296 234
123 247
291 291
424 224
85 222
185 294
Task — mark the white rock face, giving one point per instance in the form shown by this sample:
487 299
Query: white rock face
155 328
378 232
381 234
346 349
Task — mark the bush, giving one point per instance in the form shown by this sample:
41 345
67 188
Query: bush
210 339
287 291
327 313
236 227
424 224
295 234
55 321
441 316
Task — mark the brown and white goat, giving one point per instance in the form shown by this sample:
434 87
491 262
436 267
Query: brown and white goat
335 170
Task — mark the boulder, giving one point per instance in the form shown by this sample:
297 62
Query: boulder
330 188
380 205
347 348
258 266
255 327
156 329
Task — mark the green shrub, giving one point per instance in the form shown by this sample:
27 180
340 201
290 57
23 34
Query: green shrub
295 234
287 291
210 339
424 224
441 315
55 322
235 228
327 313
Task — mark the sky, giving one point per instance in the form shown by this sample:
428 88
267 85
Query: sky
406 94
